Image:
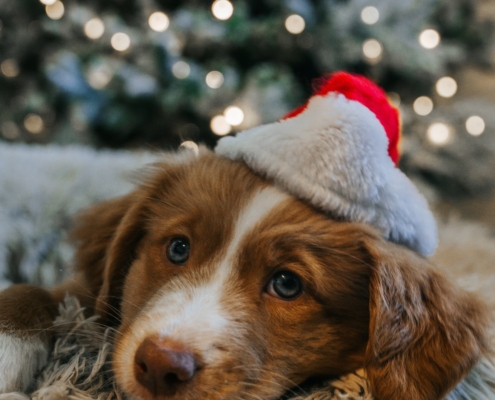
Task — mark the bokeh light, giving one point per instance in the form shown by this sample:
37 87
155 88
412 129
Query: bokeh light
372 49
475 125
370 15
48 2
94 28
222 9
295 24
10 68
234 115
214 79
55 11
438 133
423 105
10 130
190 145
33 123
181 70
429 38
394 99
120 41
446 86
159 21
220 126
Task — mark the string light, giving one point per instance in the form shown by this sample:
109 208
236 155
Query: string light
55 11
10 68
10 130
446 86
159 21
438 133
181 70
214 79
234 115
372 49
94 28
190 145
99 76
222 9
295 24
429 38
423 105
370 15
120 41
47 2
33 123
219 125
475 125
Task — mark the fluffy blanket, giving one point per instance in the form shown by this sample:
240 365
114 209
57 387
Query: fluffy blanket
41 187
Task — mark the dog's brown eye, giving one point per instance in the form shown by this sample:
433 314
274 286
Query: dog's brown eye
285 284
178 250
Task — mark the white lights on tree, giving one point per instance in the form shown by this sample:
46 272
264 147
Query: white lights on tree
372 50
370 15
446 86
55 11
190 145
475 125
214 79
33 123
295 24
438 133
10 68
181 70
429 38
234 115
222 9
47 2
159 21
94 28
423 105
120 41
99 77
219 125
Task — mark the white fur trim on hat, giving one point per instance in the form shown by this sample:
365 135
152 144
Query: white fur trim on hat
334 155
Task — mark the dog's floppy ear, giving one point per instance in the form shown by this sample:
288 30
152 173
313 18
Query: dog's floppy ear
106 236
425 334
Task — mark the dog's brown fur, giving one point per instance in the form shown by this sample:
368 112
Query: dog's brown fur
366 302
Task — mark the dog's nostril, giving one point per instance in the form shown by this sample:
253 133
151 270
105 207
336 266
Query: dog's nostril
162 365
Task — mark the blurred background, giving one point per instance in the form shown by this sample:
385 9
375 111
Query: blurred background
153 74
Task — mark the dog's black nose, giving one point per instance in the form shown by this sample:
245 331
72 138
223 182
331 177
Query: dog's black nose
161 366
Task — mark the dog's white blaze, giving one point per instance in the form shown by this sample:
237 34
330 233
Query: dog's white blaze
19 361
194 315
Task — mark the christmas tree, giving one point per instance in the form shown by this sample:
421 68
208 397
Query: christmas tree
156 73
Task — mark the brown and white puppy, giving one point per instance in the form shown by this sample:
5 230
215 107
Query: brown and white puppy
224 287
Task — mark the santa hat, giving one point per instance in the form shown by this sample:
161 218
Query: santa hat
339 152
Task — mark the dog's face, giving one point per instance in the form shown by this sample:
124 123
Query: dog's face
225 287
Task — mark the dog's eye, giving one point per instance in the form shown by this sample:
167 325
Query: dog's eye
286 285
178 250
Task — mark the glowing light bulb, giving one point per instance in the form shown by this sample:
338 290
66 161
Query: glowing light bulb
438 133
159 21
219 125
234 115
429 38
214 79
33 123
94 28
190 145
372 49
55 11
370 15
10 68
423 105
475 125
446 86
222 9
295 24
120 41
181 70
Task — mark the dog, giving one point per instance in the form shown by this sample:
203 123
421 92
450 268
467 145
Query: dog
223 286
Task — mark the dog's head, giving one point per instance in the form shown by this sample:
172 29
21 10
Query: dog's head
225 287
